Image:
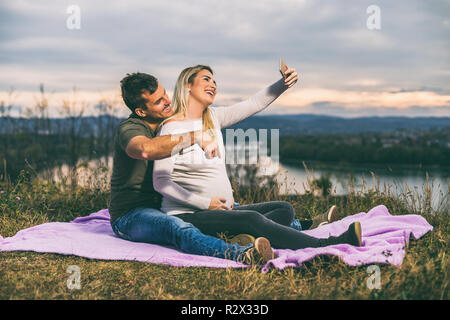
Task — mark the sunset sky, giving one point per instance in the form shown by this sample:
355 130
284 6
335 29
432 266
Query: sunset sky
345 68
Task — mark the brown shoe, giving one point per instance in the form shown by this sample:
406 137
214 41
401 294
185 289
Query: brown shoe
260 253
327 217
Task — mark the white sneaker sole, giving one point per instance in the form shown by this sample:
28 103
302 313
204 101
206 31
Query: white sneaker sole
358 232
262 245
333 214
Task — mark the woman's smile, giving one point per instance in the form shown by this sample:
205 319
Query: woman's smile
204 88
211 92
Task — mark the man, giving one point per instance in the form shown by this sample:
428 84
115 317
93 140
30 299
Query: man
134 202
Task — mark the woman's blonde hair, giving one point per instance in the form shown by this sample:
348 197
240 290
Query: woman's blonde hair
181 97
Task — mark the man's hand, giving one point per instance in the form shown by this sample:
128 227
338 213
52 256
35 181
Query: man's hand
218 203
207 143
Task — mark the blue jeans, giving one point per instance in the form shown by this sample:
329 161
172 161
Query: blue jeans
153 226
296 225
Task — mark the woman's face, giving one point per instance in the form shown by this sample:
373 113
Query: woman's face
203 89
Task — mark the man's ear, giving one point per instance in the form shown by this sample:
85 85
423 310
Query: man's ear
140 112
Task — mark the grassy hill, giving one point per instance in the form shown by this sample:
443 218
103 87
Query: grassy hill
315 124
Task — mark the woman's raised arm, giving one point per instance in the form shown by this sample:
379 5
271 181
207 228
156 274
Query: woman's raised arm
230 115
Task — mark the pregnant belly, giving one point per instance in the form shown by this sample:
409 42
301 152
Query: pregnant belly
209 187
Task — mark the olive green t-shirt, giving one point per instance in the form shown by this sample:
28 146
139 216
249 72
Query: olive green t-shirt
132 179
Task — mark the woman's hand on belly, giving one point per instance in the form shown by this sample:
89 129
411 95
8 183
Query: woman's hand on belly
218 203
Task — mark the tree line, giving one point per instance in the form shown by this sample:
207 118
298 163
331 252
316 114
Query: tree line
40 143
37 142
409 148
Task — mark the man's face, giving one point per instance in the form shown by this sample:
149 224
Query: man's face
158 105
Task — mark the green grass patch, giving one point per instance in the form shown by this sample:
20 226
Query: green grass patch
28 275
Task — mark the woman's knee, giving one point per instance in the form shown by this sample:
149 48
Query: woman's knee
249 217
287 208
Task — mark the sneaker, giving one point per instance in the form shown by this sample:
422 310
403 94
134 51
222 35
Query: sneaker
352 236
260 253
327 217
242 239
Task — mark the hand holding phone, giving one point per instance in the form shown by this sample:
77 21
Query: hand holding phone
283 69
290 76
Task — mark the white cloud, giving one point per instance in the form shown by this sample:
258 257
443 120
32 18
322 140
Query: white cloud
358 99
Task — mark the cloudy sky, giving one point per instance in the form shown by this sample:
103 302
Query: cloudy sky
347 69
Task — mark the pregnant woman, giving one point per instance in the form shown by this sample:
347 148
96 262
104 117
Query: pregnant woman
197 189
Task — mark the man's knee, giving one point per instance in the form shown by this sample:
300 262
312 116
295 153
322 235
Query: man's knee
180 225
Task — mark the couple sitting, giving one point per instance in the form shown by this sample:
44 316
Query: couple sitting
170 186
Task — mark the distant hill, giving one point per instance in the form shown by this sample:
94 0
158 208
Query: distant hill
315 124
292 124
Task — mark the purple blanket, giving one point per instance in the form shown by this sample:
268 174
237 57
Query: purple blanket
384 238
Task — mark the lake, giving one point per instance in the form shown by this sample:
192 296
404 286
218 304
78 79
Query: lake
399 181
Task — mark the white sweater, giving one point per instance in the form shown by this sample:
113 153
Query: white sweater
189 180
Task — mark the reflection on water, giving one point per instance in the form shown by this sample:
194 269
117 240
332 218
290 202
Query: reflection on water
398 181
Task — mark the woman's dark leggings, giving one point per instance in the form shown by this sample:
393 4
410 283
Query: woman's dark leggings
268 219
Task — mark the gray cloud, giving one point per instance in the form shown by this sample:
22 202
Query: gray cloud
423 89
327 41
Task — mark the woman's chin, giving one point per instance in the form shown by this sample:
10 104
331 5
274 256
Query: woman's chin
208 102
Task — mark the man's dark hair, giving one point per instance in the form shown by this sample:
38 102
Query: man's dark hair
133 85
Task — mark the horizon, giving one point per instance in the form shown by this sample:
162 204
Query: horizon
259 115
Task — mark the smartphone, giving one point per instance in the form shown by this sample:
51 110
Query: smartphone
283 68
